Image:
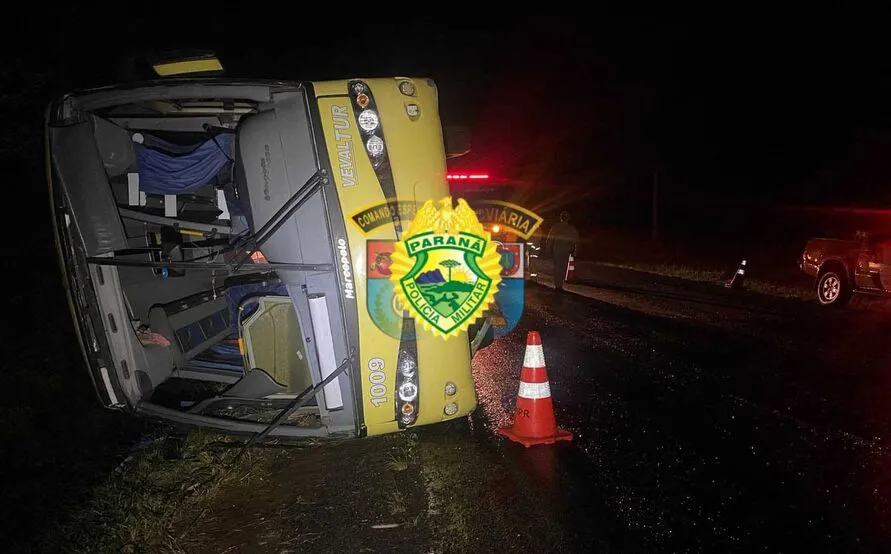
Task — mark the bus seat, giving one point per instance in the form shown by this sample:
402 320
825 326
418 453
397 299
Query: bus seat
274 342
115 147
124 155
192 324
158 368
255 384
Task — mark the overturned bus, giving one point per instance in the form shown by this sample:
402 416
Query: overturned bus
213 271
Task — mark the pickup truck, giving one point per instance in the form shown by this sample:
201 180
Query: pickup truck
845 267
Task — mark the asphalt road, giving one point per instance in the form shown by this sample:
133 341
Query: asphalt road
705 419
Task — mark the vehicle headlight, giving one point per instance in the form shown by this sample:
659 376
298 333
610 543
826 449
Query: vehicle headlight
407 369
375 146
371 127
451 389
368 120
408 391
450 409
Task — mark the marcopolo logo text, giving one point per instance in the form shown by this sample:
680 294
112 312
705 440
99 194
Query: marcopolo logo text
346 269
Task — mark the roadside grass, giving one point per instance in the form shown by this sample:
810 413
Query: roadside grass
781 290
447 483
405 456
396 503
397 463
679 271
142 505
716 277
705 258
479 502
400 459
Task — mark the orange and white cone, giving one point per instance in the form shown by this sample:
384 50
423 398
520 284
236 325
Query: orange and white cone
570 269
534 421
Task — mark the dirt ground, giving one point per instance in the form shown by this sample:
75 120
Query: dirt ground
437 489
347 497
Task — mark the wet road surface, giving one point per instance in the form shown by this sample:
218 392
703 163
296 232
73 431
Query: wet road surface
705 419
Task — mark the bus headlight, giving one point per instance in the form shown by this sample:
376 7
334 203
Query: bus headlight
451 389
408 391
407 403
368 120
450 409
375 146
370 123
407 370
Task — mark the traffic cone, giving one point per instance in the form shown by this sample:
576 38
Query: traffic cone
736 281
534 422
570 269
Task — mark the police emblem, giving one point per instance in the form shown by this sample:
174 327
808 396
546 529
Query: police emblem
446 270
383 306
505 313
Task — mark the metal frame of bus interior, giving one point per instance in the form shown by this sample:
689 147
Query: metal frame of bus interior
108 290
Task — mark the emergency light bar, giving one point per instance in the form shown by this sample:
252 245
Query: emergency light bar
462 176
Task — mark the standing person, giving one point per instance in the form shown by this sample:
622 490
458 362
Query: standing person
562 241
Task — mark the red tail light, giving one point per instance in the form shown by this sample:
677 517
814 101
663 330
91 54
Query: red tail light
463 176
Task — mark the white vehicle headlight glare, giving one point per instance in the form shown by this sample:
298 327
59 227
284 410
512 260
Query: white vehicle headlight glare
375 146
408 391
368 120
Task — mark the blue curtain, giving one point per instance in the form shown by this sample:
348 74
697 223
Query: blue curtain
166 169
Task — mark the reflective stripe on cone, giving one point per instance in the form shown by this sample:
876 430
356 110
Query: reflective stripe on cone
534 357
570 267
534 391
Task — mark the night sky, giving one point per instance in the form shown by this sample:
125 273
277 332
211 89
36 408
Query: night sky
730 107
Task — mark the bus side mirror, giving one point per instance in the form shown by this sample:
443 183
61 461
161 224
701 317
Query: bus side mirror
457 141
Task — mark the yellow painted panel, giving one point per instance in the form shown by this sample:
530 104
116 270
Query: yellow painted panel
182 67
413 139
